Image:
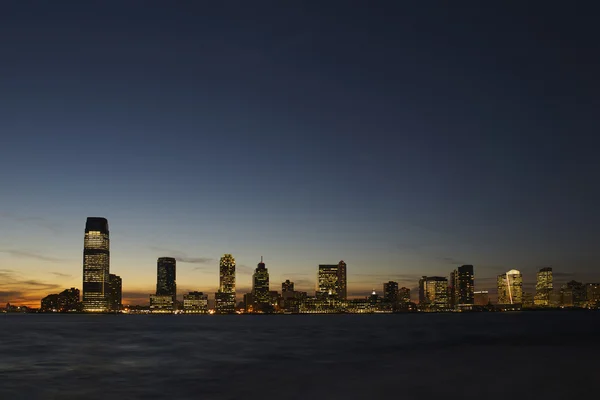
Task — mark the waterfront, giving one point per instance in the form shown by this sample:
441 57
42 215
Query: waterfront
547 355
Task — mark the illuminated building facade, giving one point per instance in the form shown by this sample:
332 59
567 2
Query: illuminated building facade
433 293
160 303
195 303
287 286
462 287
390 292
510 287
592 294
404 295
453 289
96 265
328 281
481 298
342 281
260 287
465 285
332 281
543 287
573 294
166 283
115 293
65 301
225 297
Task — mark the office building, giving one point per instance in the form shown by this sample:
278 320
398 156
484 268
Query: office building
65 301
327 281
96 265
225 297
332 281
195 303
115 293
543 287
165 298
573 294
166 283
433 293
342 281
404 295
465 285
510 287
592 294
481 298
390 292
453 289
260 287
287 286
160 303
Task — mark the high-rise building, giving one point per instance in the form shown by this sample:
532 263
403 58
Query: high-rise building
404 295
287 286
342 281
481 298
332 281
543 287
195 303
465 285
166 283
510 287
96 265
592 294
65 301
260 287
165 298
390 292
453 289
115 293
433 292
573 294
461 286
328 282
225 297
161 303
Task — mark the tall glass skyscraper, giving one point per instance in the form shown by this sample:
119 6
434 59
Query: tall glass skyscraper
166 277
462 286
342 281
328 282
96 265
543 287
115 293
260 286
332 281
510 287
225 297
433 293
390 292
465 285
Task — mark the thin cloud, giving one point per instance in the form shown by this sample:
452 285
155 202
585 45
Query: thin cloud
34 220
194 260
61 275
244 269
183 257
40 285
29 254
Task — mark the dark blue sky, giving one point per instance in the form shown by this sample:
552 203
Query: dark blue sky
402 138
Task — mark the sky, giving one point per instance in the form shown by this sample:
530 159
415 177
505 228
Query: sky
405 138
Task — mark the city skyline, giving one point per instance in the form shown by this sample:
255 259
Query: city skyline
456 288
405 139
141 297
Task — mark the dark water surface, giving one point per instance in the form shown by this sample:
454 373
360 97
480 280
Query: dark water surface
533 355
